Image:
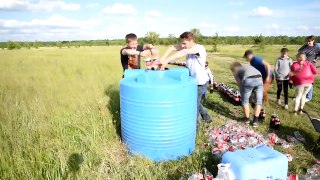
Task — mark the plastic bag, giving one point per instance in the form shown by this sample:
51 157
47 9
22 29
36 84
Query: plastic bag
225 172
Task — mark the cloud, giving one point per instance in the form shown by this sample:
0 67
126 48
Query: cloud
232 28
275 26
234 16
120 9
235 3
53 21
92 5
176 20
304 28
261 11
317 28
42 5
206 25
153 13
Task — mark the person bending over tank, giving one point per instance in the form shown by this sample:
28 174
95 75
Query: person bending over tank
249 80
195 61
131 53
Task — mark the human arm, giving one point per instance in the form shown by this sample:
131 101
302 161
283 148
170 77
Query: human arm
276 67
134 52
314 70
180 53
268 69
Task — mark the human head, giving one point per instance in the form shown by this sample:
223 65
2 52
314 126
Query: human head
187 40
235 66
207 63
301 56
310 40
248 54
132 41
284 51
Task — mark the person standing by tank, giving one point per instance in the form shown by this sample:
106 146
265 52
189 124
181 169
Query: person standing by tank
312 51
195 61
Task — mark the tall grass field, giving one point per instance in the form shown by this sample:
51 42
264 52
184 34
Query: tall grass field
60 116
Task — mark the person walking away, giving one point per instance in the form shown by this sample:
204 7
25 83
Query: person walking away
131 53
264 68
282 70
302 76
312 51
195 61
211 80
250 82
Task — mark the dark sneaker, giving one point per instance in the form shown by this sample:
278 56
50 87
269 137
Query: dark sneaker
247 121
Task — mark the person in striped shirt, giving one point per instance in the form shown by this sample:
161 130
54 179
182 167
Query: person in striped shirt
312 51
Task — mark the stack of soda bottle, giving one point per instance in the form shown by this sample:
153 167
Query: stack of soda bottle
233 136
232 94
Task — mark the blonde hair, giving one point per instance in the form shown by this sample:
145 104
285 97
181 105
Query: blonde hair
299 55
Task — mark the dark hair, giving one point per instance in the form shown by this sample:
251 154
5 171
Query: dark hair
188 35
284 50
130 37
310 38
235 65
207 63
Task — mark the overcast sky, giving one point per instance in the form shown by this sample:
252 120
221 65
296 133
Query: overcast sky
29 20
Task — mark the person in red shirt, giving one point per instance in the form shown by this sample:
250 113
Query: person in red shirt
302 76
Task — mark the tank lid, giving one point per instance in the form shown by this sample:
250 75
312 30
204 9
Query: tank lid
172 76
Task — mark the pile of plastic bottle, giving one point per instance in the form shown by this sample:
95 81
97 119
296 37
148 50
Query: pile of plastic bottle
231 93
233 136
312 173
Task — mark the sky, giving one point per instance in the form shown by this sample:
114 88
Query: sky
54 20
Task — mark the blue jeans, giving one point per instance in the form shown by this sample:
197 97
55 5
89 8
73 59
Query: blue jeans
249 86
201 110
310 93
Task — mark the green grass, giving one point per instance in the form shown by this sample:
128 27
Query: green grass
59 117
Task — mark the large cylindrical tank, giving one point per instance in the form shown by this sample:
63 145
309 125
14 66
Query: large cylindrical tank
158 113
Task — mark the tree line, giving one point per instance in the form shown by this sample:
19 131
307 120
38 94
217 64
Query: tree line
154 38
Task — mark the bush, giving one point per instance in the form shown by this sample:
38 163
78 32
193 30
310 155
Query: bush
13 45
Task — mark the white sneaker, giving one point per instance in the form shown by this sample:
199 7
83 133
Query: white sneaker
286 106
307 100
278 102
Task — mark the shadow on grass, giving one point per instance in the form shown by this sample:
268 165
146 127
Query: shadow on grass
310 143
220 108
73 165
112 91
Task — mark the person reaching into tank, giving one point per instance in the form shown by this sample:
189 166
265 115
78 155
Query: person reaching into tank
195 61
132 52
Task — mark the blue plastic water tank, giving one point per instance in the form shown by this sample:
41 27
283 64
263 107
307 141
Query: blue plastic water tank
158 113
261 162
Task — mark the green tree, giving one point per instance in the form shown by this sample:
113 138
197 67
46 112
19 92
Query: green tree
36 44
259 41
59 44
152 37
27 45
172 39
107 42
196 32
13 45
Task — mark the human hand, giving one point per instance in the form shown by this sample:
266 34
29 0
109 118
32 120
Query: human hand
154 51
267 79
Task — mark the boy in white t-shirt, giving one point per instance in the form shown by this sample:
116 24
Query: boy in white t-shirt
195 61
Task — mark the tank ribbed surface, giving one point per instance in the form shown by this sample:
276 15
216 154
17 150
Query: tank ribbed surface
158 113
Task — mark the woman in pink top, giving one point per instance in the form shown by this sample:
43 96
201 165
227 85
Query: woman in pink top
302 76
